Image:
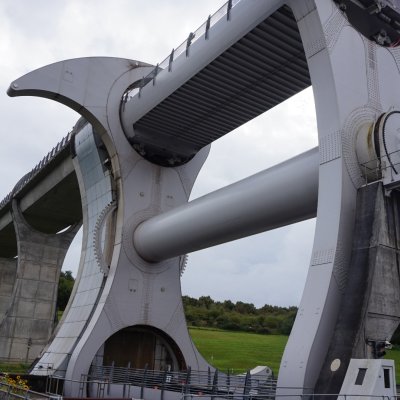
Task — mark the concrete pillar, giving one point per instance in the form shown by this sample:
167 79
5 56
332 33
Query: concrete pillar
29 321
370 309
8 269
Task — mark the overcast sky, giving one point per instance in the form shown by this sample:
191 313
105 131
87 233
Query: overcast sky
269 268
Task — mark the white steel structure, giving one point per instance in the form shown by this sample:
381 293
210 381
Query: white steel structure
156 125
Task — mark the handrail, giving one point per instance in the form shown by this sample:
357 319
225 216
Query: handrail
9 391
188 381
184 47
101 389
379 165
209 380
46 160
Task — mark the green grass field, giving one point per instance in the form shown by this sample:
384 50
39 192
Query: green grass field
241 351
394 354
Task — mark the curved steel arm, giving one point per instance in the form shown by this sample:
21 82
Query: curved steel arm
82 84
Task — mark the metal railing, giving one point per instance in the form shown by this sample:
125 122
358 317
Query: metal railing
314 396
8 391
192 391
102 380
211 382
378 168
43 163
184 47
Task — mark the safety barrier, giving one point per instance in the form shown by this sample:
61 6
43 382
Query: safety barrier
42 164
223 11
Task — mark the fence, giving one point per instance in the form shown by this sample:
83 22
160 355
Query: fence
43 163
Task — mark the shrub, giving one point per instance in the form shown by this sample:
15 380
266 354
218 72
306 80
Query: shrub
18 385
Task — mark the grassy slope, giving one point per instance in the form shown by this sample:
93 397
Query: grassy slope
14 368
394 354
238 350
242 351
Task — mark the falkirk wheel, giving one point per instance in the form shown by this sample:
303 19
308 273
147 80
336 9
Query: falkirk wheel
144 135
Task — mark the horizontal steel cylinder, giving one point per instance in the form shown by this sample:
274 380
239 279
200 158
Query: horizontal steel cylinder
279 196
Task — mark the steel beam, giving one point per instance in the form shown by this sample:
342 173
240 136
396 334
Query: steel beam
279 196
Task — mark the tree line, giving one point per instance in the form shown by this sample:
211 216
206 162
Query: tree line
239 316
207 313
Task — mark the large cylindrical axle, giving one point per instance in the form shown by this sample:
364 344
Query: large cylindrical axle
279 196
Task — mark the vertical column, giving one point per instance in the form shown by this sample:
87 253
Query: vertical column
8 269
370 309
29 321
383 312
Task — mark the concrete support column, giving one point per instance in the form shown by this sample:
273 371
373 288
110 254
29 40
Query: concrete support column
29 321
370 310
8 270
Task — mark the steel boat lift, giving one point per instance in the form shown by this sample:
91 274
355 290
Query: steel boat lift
157 123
